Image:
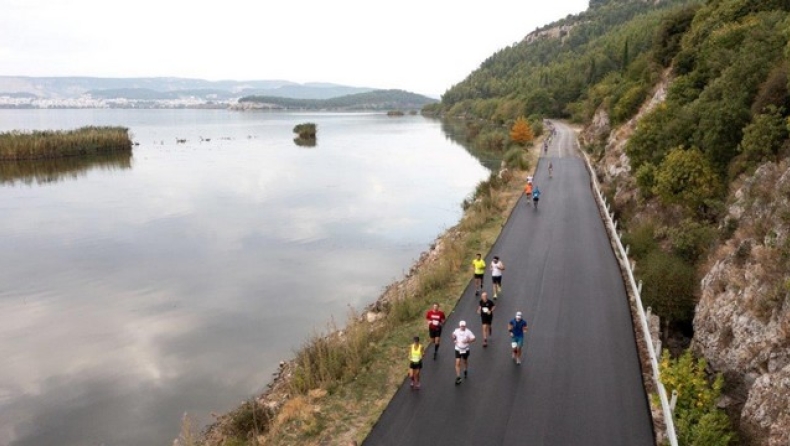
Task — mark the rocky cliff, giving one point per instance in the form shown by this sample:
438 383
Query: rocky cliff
742 322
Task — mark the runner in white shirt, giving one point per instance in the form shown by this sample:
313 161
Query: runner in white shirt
496 275
462 337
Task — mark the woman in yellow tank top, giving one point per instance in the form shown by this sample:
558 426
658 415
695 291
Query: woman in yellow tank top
416 351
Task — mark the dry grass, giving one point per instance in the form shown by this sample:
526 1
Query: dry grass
48 144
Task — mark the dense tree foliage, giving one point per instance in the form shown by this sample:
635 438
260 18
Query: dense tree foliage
373 100
570 68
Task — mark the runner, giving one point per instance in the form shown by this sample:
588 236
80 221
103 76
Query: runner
496 275
528 189
551 169
462 337
479 267
436 319
517 327
415 362
535 196
485 309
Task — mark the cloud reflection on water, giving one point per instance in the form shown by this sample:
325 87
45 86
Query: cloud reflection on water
181 284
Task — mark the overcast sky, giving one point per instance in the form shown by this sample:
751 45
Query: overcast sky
423 46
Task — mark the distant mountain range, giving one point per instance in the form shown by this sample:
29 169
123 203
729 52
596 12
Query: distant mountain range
165 88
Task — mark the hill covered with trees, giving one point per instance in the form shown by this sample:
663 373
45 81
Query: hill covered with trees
688 105
373 100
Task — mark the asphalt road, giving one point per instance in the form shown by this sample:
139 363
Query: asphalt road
580 381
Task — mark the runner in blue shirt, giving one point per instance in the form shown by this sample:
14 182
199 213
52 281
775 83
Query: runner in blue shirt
535 196
517 327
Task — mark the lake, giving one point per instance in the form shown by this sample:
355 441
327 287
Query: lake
135 289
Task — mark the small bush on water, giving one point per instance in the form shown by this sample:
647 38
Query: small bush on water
306 130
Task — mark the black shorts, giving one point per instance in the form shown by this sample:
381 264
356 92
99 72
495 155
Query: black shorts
464 355
415 365
479 276
435 332
497 280
535 198
486 318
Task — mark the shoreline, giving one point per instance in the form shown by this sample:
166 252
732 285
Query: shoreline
278 408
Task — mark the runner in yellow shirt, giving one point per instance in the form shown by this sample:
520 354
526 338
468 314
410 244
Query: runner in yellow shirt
416 352
479 267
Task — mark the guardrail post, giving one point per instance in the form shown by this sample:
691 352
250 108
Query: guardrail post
627 247
673 401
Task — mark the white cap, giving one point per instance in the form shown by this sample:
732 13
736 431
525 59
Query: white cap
518 314
462 324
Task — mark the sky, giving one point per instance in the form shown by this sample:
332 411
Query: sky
422 46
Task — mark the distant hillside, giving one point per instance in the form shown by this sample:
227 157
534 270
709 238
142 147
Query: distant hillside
163 88
373 100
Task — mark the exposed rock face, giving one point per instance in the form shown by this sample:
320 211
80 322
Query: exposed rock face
742 322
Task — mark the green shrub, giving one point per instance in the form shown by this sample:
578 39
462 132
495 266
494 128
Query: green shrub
516 158
641 240
628 104
491 140
698 422
668 287
691 239
646 179
685 177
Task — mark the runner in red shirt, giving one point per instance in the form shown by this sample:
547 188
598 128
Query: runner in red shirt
436 319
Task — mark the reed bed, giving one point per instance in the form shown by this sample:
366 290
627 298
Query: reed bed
51 144
59 169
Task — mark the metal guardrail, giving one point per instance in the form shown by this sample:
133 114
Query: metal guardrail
611 225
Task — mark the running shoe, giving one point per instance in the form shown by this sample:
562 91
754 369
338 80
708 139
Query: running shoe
457 380
466 375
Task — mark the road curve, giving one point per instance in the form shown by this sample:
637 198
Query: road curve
580 382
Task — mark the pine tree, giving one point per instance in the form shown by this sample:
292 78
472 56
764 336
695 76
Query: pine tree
521 132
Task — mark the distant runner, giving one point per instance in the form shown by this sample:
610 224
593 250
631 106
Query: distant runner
517 327
462 337
535 196
436 319
528 189
551 169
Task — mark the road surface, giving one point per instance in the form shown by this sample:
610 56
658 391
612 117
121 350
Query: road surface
580 382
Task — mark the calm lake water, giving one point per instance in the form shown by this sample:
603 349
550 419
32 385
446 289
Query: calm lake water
133 290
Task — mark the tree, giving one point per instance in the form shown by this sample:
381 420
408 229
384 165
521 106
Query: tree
521 132
686 177
762 139
697 419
